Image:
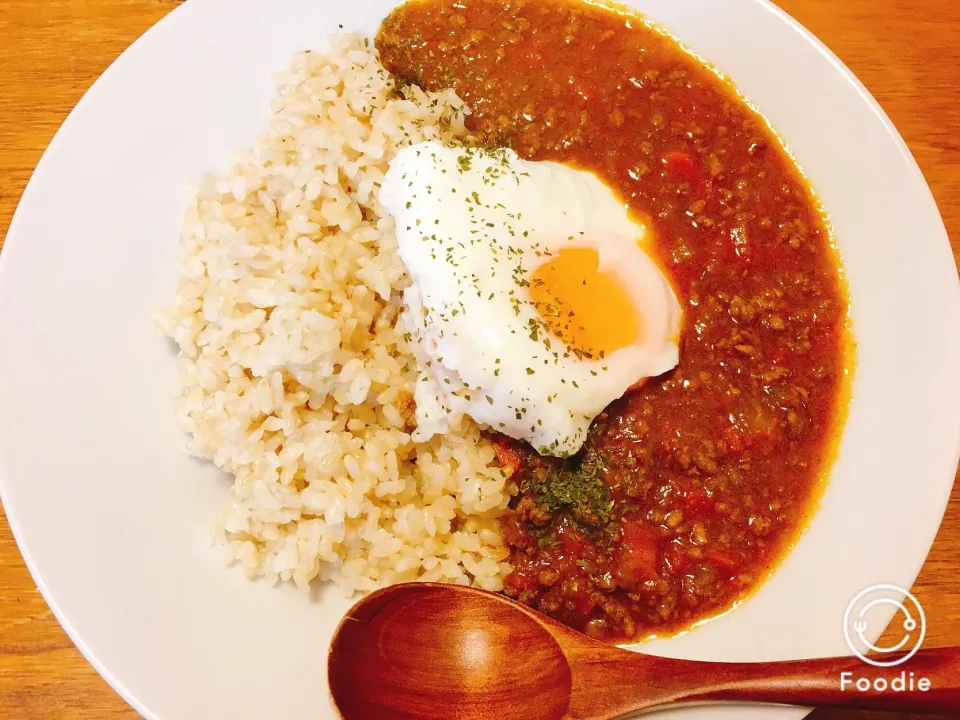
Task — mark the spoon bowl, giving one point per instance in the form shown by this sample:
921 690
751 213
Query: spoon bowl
473 651
424 650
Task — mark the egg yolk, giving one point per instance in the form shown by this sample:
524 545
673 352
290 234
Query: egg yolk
586 308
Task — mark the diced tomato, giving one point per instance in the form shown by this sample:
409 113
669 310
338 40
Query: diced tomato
697 502
520 581
682 165
508 453
677 558
637 555
721 560
572 548
571 541
734 439
579 598
524 575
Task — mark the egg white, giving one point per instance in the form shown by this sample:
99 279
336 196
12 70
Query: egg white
471 226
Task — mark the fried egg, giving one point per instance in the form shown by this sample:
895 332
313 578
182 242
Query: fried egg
532 303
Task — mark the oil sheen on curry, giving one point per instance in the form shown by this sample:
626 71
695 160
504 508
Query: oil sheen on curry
688 489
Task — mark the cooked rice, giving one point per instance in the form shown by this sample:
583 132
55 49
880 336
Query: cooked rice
297 377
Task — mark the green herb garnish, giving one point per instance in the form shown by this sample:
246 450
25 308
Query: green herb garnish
576 486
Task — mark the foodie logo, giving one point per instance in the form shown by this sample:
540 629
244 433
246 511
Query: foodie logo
864 618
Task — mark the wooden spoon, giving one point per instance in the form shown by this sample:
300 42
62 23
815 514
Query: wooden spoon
423 650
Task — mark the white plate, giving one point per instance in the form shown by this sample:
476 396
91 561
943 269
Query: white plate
112 517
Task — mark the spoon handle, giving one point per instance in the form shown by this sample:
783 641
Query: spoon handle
928 682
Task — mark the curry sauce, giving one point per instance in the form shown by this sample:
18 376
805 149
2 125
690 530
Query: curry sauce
690 488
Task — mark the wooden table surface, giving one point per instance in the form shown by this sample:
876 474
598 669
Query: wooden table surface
905 52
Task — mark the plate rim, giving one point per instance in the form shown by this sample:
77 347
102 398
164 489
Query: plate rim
15 239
